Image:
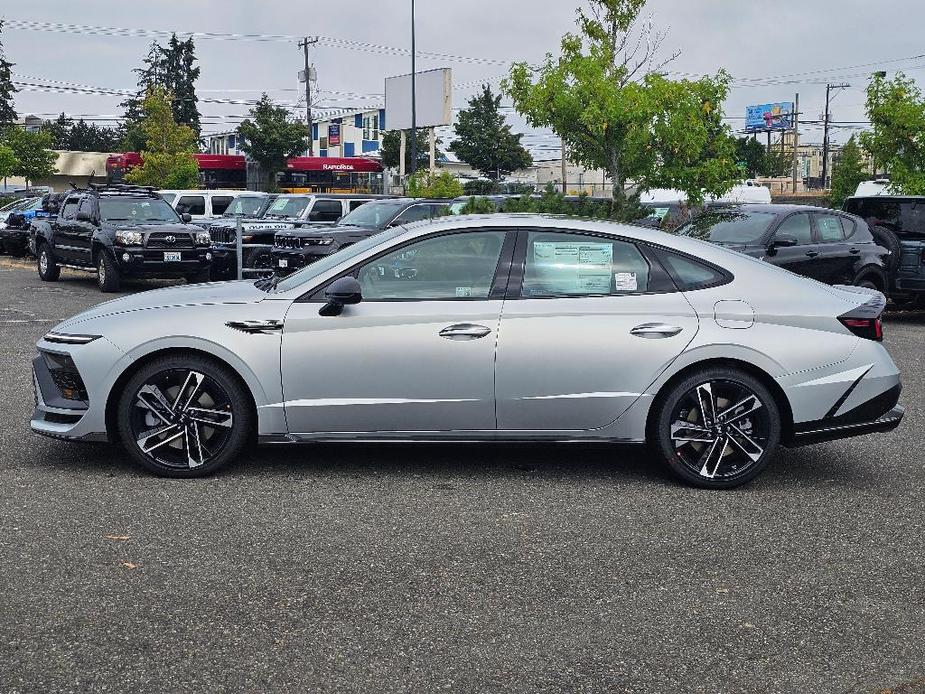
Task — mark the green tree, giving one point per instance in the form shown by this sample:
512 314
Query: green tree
81 136
167 157
896 140
443 184
850 170
750 156
484 139
150 75
615 112
59 130
8 161
35 160
180 75
391 145
270 137
7 90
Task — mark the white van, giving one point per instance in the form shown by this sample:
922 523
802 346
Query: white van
201 205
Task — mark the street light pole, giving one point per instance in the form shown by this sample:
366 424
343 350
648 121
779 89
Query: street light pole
414 105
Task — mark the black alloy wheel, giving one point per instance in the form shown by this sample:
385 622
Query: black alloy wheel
717 429
184 417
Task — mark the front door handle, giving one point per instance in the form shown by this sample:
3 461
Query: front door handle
653 331
811 254
464 331
854 251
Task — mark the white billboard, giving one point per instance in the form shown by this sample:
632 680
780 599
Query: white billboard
434 98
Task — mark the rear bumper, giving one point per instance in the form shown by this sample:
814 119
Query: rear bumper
888 422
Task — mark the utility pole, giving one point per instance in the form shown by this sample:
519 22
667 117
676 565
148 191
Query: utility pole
796 139
414 103
825 132
304 44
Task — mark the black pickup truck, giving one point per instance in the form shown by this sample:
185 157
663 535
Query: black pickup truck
119 231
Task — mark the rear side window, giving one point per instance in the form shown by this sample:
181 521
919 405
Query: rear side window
905 217
220 203
326 211
690 274
830 228
559 264
191 204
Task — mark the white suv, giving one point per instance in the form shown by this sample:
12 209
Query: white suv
201 205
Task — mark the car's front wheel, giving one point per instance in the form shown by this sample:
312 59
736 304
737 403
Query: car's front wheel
108 277
716 428
49 271
184 416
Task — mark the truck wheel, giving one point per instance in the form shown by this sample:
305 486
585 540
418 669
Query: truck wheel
107 276
887 239
47 265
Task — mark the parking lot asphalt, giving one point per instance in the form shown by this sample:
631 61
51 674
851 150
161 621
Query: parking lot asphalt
430 568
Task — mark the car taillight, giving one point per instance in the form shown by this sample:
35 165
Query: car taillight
868 328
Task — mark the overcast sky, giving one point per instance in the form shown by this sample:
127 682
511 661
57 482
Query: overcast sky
751 40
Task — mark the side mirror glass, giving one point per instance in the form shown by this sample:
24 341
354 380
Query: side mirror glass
186 218
341 292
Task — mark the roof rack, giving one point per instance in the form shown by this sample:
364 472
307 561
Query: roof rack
122 189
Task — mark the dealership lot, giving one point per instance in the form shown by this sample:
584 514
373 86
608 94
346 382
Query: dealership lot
465 568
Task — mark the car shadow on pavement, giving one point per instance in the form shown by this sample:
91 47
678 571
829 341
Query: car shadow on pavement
442 463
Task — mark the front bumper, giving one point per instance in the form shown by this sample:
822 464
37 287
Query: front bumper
152 262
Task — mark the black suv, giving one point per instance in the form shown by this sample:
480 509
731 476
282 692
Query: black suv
827 245
898 223
121 231
294 249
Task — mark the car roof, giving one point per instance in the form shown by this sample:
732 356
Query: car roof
202 191
775 208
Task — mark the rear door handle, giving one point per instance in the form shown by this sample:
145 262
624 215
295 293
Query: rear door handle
653 331
854 251
812 254
464 331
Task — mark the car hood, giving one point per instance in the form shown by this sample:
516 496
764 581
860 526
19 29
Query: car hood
330 231
243 292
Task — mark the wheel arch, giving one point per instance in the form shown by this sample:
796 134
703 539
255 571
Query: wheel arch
780 397
115 392
874 273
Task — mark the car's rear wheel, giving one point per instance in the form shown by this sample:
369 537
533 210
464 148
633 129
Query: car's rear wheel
716 428
107 272
184 416
49 271
886 238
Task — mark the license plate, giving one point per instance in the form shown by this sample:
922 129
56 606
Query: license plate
284 263
172 256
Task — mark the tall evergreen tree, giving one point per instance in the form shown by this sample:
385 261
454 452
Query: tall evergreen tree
181 77
150 75
484 139
7 90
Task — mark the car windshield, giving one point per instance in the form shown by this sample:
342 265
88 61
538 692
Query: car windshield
328 262
373 215
245 206
729 226
137 211
285 207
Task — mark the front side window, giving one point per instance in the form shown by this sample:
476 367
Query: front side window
560 264
220 203
191 204
70 208
798 226
326 211
455 266
415 213
730 226
373 215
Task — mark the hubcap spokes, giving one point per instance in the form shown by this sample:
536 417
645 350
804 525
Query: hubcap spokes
183 418
719 429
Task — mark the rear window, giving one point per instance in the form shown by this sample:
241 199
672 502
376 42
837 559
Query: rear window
729 226
191 204
905 217
220 203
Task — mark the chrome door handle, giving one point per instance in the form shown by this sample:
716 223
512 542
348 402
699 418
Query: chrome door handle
653 331
464 331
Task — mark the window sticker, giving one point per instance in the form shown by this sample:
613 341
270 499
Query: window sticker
463 292
574 268
625 281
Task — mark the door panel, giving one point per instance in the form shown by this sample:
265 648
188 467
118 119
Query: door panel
835 263
800 258
383 366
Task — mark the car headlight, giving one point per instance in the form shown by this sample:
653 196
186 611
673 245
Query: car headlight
247 238
67 339
203 238
130 238
323 241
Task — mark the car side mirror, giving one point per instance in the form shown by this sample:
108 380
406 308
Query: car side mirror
783 241
341 292
186 218
84 216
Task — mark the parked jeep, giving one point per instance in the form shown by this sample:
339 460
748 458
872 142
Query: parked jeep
120 231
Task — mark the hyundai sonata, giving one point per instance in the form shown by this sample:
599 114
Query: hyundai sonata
505 327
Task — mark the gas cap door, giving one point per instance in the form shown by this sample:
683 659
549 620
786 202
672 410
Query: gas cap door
735 315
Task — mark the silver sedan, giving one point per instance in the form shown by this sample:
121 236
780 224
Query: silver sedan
505 327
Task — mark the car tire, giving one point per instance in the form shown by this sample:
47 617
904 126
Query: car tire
107 272
887 238
49 270
163 411
741 416
867 283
